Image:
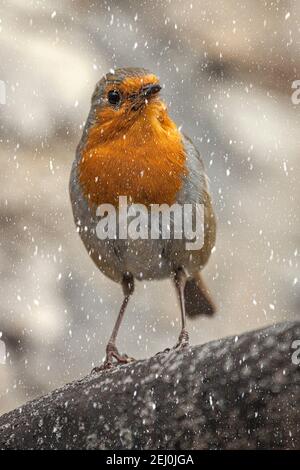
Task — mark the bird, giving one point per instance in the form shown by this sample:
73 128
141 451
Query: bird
131 147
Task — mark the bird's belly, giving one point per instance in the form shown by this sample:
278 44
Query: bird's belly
143 258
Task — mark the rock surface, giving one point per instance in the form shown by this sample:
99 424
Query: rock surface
234 393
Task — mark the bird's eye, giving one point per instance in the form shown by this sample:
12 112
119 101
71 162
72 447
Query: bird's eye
114 97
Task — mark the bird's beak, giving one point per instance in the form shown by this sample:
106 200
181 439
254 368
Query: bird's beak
145 94
151 90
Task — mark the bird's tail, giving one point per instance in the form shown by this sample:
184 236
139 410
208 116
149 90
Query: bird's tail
197 298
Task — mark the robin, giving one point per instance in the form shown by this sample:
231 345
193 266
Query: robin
131 147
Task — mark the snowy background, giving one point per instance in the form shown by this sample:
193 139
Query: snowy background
227 68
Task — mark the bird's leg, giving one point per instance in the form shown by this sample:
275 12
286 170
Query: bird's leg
180 280
111 349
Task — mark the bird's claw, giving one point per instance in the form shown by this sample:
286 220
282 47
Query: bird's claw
105 366
113 358
183 340
165 351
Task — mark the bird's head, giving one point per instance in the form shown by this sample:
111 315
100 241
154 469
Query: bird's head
130 146
124 98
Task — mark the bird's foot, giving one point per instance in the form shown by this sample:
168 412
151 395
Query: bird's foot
183 340
113 358
165 351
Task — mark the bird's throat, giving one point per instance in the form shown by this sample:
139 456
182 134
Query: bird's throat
146 162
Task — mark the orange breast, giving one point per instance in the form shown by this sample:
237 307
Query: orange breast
144 161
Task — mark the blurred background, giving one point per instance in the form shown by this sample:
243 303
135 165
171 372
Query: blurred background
227 68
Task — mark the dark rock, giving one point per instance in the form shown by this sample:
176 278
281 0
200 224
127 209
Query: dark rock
234 393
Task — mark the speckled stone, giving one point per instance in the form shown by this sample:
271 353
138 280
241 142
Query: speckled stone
234 393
